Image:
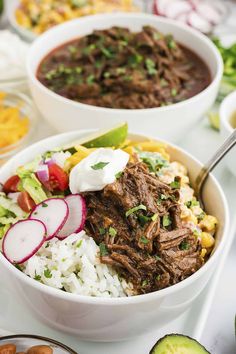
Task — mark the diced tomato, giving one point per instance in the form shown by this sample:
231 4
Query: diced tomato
25 201
11 185
58 179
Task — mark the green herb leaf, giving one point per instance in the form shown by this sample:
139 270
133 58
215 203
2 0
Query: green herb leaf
144 240
173 92
133 210
157 257
175 184
47 273
158 277
37 277
103 249
112 232
154 217
90 79
99 165
79 243
192 203
144 283
166 221
184 245
143 219
151 66
118 174
44 205
102 230
107 52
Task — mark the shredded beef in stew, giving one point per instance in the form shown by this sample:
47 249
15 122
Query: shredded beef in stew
136 221
117 68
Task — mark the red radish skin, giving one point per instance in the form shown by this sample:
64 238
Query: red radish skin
183 18
23 240
76 217
177 8
53 213
160 6
208 12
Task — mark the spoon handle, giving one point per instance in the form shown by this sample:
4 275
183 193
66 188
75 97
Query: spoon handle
216 158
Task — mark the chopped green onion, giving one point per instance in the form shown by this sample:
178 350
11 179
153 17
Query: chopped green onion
103 249
99 165
112 232
144 240
166 221
133 210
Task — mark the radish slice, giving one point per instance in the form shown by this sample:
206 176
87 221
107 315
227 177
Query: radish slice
208 12
23 240
76 218
176 8
53 213
183 18
160 6
196 21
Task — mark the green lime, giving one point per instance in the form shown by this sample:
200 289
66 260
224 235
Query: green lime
113 137
214 120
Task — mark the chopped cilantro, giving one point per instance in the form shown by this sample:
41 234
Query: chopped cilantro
47 245
107 52
112 232
103 249
166 221
133 210
154 217
79 243
151 66
47 273
118 174
157 257
173 92
44 205
158 277
90 79
184 245
99 165
191 203
201 216
175 184
144 240
144 283
102 230
107 75
135 59
78 70
37 277
143 219
72 49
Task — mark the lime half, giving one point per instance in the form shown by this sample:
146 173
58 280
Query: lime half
109 138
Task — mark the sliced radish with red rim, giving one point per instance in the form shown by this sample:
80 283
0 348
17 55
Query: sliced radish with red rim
23 240
76 218
177 8
53 213
198 22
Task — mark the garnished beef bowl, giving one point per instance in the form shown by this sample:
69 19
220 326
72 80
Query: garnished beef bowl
107 243
154 73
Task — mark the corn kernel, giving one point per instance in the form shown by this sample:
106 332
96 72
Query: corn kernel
208 223
207 240
203 252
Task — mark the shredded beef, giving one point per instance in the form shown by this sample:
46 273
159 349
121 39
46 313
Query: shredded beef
149 253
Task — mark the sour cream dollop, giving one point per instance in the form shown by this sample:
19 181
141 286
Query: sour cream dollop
97 170
13 52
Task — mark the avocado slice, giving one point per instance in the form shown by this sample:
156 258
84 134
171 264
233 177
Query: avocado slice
178 344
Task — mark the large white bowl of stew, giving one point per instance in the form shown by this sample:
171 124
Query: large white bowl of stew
158 75
165 278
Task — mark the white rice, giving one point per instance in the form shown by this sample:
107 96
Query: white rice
74 265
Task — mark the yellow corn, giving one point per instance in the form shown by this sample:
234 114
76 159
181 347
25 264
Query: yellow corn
203 253
207 240
208 223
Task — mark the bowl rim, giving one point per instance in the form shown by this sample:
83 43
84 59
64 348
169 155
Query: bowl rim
225 118
58 293
11 149
34 336
129 16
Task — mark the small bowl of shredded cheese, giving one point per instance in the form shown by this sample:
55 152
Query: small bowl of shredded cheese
17 118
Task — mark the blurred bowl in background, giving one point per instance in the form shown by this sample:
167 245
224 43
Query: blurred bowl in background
170 122
25 341
227 125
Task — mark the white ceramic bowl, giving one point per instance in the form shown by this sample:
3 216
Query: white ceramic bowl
169 122
111 319
227 108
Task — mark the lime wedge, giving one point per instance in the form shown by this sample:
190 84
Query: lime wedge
214 120
113 137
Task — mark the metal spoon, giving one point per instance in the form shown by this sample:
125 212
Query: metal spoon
212 163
